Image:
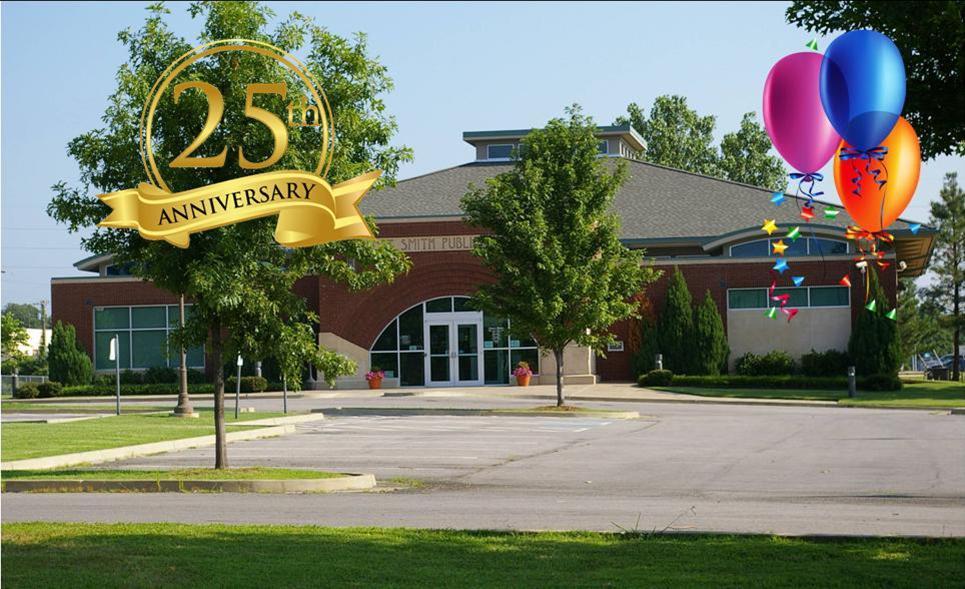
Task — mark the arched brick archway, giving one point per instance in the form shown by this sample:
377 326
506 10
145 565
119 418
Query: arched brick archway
360 317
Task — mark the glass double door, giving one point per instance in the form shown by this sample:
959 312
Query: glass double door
454 355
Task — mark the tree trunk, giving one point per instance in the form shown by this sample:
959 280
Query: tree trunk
217 350
559 377
184 408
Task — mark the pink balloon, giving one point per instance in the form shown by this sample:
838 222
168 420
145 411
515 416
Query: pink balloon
793 114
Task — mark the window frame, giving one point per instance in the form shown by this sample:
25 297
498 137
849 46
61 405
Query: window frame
511 146
771 303
170 362
807 245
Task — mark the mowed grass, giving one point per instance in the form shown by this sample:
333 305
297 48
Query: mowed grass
33 440
175 555
26 407
180 474
923 395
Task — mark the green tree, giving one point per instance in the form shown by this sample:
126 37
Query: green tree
918 322
238 279
931 38
28 315
68 362
13 336
745 156
874 346
678 137
645 359
948 261
562 275
675 135
676 326
710 342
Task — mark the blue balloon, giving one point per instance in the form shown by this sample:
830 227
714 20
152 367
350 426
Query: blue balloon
863 87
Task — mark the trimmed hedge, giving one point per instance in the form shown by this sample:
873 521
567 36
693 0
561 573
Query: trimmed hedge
775 363
827 363
249 384
656 378
134 389
49 389
878 382
26 390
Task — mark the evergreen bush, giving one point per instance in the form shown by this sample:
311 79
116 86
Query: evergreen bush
645 359
827 363
26 390
49 389
773 363
68 363
710 349
656 378
676 326
874 346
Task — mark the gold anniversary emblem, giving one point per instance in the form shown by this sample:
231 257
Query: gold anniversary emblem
267 160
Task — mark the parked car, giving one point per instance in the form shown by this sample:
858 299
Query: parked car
947 362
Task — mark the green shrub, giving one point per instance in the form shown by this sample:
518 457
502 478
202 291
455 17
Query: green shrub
874 344
103 379
710 349
774 363
656 378
49 389
159 374
135 389
196 376
27 390
880 382
676 326
131 377
762 382
249 384
67 361
644 360
827 363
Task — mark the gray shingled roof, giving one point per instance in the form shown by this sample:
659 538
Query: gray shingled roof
655 203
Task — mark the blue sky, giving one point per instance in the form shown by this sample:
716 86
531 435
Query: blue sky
457 67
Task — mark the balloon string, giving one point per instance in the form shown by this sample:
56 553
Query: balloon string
810 195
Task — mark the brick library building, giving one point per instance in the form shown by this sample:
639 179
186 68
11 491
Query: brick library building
422 333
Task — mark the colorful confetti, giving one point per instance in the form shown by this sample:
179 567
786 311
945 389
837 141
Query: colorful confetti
892 314
779 247
777 198
798 280
769 225
793 234
846 281
872 306
831 213
781 265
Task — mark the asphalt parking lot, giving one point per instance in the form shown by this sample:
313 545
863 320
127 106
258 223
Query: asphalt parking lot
795 470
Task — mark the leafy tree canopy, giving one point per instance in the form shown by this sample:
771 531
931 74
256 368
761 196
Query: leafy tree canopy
678 137
238 278
28 315
13 335
931 38
561 273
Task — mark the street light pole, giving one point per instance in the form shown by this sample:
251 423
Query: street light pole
238 385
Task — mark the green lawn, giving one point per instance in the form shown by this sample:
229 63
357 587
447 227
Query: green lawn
194 474
27 407
33 440
930 394
151 555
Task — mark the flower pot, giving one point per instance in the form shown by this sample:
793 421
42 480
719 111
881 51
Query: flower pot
375 383
523 380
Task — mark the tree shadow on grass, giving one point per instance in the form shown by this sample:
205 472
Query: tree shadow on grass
150 555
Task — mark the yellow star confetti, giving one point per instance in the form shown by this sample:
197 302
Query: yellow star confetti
779 247
769 226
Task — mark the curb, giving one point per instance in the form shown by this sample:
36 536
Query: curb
349 482
112 454
389 411
287 420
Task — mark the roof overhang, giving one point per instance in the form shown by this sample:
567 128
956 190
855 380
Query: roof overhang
93 263
625 132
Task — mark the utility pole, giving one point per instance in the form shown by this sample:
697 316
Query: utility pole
43 330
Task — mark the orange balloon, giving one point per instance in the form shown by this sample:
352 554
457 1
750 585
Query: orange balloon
875 208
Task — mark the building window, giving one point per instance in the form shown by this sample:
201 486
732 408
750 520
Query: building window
115 270
400 349
830 296
603 147
762 248
499 151
142 334
803 297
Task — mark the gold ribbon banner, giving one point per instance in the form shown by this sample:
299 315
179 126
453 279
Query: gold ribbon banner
310 211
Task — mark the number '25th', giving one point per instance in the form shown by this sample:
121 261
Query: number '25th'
216 110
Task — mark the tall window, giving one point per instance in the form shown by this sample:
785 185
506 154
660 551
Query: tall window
142 334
